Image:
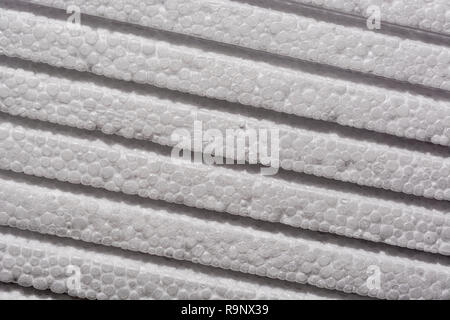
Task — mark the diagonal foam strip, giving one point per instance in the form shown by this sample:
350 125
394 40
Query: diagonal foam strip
15 292
143 115
282 33
176 233
113 166
97 272
424 15
121 55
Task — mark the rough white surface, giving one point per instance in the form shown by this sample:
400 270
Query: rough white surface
14 292
107 274
176 233
142 59
282 33
142 115
156 228
113 166
427 15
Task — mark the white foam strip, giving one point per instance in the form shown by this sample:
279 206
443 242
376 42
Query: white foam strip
143 115
424 15
14 292
285 34
113 166
175 233
122 55
98 273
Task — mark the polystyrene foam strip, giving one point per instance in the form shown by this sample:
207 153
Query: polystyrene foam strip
97 272
424 15
122 55
114 166
296 36
142 114
15 292
213 241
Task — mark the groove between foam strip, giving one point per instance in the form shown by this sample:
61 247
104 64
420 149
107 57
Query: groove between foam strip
93 106
419 14
90 161
284 34
109 274
155 230
176 67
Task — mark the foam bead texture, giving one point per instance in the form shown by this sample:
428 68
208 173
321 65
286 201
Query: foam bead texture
284 34
106 274
421 14
132 55
156 230
14 292
123 169
87 181
94 107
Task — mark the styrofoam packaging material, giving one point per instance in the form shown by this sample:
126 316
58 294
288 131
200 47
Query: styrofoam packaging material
418 14
146 57
112 274
286 34
100 200
143 115
161 230
14 292
102 163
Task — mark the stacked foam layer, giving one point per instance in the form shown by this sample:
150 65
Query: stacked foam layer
358 200
201 237
285 34
203 69
112 165
304 147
